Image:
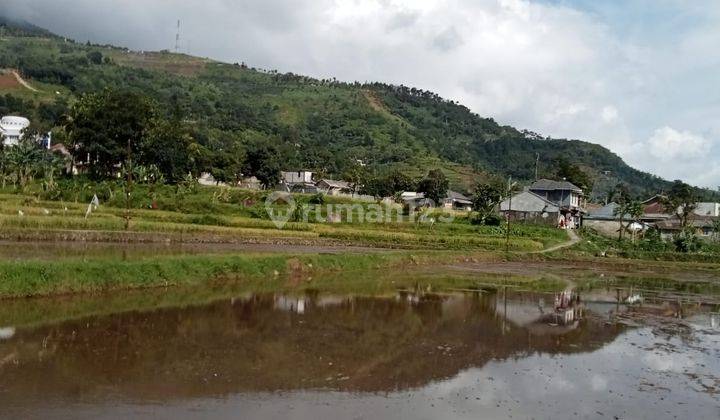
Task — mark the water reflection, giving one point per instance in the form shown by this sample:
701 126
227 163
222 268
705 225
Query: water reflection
422 355
283 342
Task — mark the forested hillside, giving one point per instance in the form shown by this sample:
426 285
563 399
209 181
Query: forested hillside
323 125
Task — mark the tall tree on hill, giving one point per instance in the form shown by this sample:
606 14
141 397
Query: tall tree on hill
435 186
681 201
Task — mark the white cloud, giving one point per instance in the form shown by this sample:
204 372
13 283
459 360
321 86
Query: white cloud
669 144
609 114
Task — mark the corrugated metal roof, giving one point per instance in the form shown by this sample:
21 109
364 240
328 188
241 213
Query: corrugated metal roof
336 184
453 195
528 201
606 212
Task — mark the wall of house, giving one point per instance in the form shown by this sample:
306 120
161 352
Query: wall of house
297 176
550 219
563 198
607 228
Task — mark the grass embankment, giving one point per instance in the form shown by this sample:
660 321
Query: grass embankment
357 275
42 278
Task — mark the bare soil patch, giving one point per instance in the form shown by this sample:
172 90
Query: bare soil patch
8 81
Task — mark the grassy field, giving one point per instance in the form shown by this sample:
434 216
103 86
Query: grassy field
222 214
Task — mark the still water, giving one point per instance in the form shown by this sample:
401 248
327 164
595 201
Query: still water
495 354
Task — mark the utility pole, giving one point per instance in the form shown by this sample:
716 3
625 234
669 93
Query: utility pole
507 219
510 188
537 164
177 38
128 184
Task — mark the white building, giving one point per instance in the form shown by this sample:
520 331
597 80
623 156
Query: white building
11 129
297 177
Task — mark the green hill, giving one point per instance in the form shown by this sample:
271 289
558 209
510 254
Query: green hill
324 125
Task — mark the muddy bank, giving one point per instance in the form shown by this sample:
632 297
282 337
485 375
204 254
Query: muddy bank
52 250
599 268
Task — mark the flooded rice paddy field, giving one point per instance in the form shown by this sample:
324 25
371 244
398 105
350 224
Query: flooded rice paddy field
492 353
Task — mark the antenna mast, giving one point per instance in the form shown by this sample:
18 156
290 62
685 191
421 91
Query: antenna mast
177 38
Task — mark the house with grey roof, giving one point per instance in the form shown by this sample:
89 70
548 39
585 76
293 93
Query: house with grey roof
565 195
528 206
333 187
456 201
702 226
604 220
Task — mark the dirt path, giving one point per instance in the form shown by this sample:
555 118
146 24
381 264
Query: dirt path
23 82
573 239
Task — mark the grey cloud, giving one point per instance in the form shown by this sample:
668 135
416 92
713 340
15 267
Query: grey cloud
447 40
402 20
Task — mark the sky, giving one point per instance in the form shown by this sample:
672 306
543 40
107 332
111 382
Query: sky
641 77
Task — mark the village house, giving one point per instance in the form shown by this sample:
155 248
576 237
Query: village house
654 209
453 200
566 195
655 215
296 177
332 187
605 221
297 181
528 206
702 226
556 202
250 183
707 209
456 201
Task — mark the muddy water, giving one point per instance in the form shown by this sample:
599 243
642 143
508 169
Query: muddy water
309 356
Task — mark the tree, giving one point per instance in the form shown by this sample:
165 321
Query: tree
104 127
573 173
169 146
263 162
681 201
716 230
485 198
621 197
376 186
434 186
399 181
95 57
355 175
